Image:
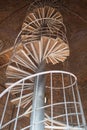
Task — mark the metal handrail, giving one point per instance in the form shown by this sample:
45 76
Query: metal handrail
37 74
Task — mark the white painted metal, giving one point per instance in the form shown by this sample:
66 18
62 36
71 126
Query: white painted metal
52 119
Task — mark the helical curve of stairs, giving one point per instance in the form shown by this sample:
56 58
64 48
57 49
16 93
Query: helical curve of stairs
43 38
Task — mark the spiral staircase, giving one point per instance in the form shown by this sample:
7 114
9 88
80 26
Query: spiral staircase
42 41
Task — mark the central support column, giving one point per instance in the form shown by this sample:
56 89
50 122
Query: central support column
38 101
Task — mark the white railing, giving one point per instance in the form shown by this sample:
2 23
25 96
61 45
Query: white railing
62 108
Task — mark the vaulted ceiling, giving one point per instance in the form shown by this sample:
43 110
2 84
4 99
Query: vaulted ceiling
12 14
